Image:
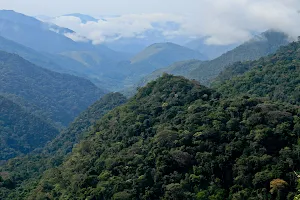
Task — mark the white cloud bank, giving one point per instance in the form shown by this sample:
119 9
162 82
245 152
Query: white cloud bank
221 21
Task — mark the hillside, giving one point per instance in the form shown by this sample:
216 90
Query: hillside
275 76
261 45
179 140
29 168
20 131
61 96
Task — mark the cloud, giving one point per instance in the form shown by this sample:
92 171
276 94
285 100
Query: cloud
220 21
76 37
125 26
230 21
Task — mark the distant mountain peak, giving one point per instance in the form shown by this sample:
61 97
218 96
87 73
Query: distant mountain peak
84 18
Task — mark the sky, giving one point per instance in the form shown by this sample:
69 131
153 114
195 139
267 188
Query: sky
100 7
220 21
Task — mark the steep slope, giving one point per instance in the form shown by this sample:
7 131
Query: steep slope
262 45
20 131
179 140
275 76
29 168
62 96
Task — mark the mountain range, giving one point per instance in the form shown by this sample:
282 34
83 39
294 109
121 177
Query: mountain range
261 45
225 125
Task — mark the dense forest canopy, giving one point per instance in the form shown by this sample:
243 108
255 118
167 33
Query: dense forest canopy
20 131
61 96
177 139
24 171
275 77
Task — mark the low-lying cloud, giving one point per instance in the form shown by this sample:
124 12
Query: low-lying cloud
220 21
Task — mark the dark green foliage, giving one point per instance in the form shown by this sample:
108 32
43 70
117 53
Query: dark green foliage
24 171
178 140
276 76
20 131
60 96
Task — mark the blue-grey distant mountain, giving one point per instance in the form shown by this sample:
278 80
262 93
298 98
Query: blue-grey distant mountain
259 46
155 57
84 18
79 58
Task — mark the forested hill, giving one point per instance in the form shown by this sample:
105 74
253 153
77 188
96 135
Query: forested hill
24 171
276 76
179 140
262 45
20 131
61 96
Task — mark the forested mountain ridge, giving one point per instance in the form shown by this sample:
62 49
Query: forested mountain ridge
61 96
179 140
20 131
262 45
275 77
24 171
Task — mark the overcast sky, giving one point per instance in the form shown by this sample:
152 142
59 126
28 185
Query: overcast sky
222 21
100 7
